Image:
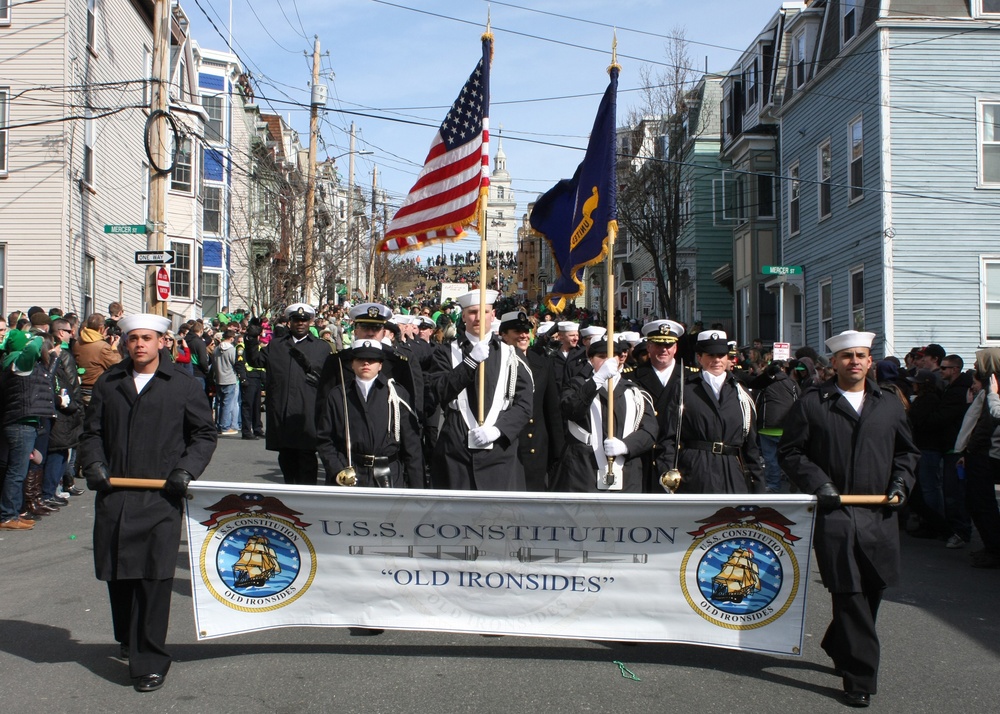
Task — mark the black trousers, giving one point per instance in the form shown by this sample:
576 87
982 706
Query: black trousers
140 613
981 499
299 466
250 406
851 639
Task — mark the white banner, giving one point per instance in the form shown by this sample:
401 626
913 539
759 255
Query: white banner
727 571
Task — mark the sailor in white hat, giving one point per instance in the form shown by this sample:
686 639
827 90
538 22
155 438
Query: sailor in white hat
570 359
473 452
848 436
590 333
300 310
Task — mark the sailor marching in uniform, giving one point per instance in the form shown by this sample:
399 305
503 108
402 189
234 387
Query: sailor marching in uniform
384 448
585 466
718 440
470 455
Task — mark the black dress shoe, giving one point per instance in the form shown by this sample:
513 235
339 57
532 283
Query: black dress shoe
857 699
123 652
251 437
152 682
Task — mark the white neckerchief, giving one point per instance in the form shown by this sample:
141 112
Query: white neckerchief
364 386
715 382
141 380
856 399
665 375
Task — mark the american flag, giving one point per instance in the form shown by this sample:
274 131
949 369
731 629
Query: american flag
446 195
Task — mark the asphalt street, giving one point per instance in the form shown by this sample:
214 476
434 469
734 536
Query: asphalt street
940 647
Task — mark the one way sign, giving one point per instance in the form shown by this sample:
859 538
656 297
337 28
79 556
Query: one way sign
154 257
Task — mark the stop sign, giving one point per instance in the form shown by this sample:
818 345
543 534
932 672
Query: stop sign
163 283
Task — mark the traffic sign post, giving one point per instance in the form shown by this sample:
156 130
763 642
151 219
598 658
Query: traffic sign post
163 284
154 257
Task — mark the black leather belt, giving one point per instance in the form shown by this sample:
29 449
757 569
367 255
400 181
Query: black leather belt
716 447
370 460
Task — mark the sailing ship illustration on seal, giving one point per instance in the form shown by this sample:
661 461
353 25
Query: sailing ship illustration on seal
737 579
256 564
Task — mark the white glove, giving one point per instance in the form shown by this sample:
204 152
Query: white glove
484 435
480 351
608 370
615 447
63 399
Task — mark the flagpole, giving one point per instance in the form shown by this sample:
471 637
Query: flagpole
610 282
483 201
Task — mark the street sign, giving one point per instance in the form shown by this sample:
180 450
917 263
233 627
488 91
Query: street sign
120 228
154 257
781 351
781 270
163 284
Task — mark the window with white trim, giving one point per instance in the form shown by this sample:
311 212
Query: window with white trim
687 203
799 60
824 169
92 25
750 83
989 143
765 196
211 293
793 199
825 310
89 167
4 122
987 8
856 176
850 14
211 221
4 12
214 127
180 271
858 299
182 178
990 295
89 284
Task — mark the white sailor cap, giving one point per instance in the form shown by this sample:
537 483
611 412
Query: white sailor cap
401 319
367 349
515 320
850 338
662 331
544 328
472 298
712 342
630 336
567 326
370 312
144 321
300 310
593 331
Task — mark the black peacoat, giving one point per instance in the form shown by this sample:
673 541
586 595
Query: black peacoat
665 403
825 441
577 469
455 465
709 420
293 372
370 434
541 442
168 426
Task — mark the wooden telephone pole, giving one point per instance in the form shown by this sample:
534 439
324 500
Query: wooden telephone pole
158 141
307 253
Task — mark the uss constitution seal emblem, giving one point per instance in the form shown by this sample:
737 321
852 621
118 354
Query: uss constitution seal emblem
257 556
740 571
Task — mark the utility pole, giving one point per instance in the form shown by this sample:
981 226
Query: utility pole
371 240
352 263
159 101
314 104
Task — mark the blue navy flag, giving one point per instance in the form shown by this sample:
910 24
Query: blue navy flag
574 215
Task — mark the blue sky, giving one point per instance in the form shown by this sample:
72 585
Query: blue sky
400 64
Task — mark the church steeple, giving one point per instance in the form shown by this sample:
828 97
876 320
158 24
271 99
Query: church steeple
500 161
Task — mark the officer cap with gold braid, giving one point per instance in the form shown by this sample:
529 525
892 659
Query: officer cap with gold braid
370 312
662 331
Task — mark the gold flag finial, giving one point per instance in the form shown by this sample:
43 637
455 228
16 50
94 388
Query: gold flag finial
614 54
488 34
